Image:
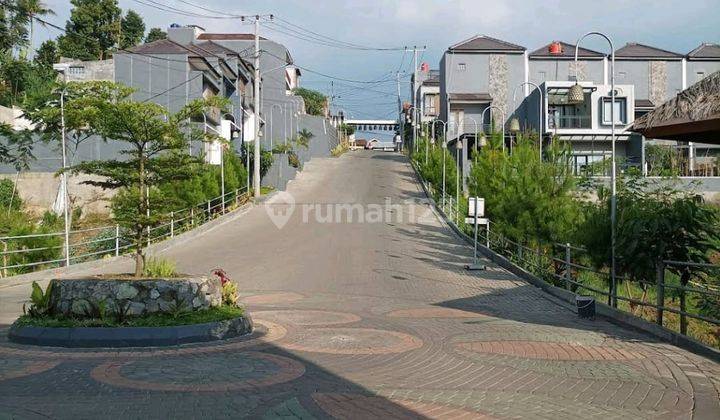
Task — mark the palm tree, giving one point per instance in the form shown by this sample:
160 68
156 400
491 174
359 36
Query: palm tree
30 9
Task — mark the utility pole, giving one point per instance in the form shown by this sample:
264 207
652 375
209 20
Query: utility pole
256 104
416 104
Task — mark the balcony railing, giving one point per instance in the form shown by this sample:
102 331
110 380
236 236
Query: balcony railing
569 121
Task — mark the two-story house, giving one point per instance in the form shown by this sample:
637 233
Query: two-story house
427 96
474 74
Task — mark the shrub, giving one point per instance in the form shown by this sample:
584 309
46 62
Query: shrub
293 160
230 294
9 196
159 268
39 300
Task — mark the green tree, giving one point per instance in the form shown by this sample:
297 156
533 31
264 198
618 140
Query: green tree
13 26
92 30
654 224
31 9
314 101
47 54
155 34
155 152
531 201
133 30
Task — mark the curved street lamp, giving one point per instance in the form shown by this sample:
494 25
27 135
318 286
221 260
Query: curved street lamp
515 123
576 95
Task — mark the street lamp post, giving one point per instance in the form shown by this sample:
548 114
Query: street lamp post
66 196
502 114
540 113
576 95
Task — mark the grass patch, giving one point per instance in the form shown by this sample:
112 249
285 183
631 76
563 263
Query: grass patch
220 313
159 268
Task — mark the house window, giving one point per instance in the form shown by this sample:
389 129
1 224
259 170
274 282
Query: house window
699 76
620 110
76 70
461 67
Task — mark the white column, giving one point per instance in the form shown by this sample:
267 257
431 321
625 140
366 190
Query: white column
527 74
605 71
684 74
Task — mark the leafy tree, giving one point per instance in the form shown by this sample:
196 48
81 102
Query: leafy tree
155 148
155 34
47 54
347 130
314 101
133 29
92 31
14 73
13 26
32 8
654 224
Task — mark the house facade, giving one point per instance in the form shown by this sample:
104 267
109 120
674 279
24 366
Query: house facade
483 72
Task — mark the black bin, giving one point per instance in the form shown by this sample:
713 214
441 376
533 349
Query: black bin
585 306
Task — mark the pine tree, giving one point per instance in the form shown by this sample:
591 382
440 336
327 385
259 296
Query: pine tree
154 151
133 30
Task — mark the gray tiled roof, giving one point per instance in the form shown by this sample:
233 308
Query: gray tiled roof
705 50
216 48
568 51
228 37
485 43
166 46
635 50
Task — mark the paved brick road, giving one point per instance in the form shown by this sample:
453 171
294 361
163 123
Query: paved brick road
366 320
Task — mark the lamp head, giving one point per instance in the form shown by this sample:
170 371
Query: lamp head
482 140
515 125
576 95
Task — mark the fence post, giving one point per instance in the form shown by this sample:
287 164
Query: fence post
519 253
209 210
192 216
660 292
117 240
5 248
172 224
237 197
149 232
567 266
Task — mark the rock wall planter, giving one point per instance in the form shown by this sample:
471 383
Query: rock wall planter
131 336
78 297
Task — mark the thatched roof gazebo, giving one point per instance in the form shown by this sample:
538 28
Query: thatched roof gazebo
693 115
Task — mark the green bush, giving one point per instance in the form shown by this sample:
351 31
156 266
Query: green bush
9 196
159 268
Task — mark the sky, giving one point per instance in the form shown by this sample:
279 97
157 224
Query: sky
678 26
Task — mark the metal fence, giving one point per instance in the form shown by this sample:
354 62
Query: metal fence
562 265
98 242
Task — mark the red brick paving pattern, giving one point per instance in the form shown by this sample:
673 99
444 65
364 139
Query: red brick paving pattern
308 317
271 299
355 406
19 368
433 312
353 341
287 370
551 351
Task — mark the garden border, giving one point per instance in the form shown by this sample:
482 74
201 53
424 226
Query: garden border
119 337
568 298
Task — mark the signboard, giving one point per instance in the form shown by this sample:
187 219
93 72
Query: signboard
480 207
480 221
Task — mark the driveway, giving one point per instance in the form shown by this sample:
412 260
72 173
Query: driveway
363 310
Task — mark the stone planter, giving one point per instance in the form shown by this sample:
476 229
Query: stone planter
131 336
84 296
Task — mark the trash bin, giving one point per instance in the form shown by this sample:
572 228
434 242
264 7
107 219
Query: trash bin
585 306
